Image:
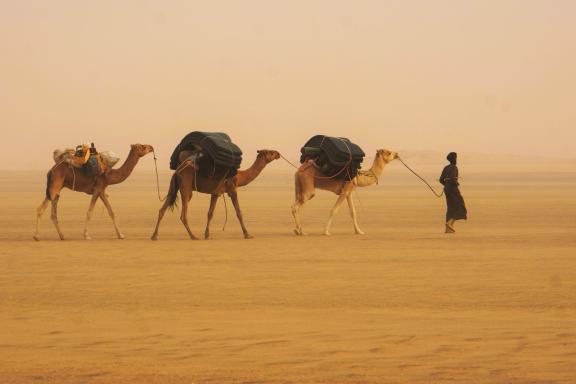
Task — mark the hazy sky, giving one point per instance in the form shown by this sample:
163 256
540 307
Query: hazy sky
485 76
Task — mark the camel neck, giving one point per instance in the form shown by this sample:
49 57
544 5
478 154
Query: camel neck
378 166
246 176
370 177
116 176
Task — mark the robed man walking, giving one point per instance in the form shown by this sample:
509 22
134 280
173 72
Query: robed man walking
456 209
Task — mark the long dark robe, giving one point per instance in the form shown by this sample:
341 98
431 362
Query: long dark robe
455 202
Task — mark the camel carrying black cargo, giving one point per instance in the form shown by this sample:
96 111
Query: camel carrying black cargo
214 154
335 157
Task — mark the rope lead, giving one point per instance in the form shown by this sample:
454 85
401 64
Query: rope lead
421 178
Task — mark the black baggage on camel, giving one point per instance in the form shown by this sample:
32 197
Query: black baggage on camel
217 156
336 157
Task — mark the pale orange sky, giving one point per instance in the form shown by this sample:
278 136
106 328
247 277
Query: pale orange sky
482 76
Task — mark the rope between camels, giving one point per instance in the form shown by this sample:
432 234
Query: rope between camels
157 179
288 161
226 213
421 178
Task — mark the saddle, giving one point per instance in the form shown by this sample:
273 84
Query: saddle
87 159
214 154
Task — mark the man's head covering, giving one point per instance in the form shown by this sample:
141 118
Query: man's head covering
452 157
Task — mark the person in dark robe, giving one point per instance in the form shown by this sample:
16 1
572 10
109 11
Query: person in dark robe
456 209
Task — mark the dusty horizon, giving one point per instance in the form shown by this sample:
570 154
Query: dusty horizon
477 76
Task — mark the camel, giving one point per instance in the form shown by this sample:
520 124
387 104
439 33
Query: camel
186 180
308 177
64 175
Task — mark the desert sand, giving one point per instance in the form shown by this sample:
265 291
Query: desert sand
494 303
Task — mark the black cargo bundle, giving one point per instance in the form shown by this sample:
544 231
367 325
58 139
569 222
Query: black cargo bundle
336 157
220 157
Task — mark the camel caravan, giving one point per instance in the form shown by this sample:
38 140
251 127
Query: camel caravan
209 162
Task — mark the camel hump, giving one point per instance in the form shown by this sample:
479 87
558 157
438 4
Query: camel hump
65 154
59 153
192 155
310 163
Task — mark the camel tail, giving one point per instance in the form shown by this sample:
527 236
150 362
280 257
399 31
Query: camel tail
173 192
48 182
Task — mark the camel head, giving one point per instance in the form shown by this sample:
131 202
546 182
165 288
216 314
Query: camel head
386 155
141 149
268 155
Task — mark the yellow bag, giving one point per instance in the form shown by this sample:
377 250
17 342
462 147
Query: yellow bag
81 155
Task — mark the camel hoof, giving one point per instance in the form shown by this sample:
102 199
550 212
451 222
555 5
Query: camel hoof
206 236
360 233
154 237
121 237
36 237
327 234
247 236
86 237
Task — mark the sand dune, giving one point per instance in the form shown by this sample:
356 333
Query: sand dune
494 303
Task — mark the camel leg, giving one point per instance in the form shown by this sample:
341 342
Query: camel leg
352 209
39 213
297 213
89 214
213 200
333 213
296 208
106 202
234 197
54 186
304 189
186 196
54 215
161 213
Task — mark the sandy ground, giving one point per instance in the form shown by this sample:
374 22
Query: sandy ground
495 303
